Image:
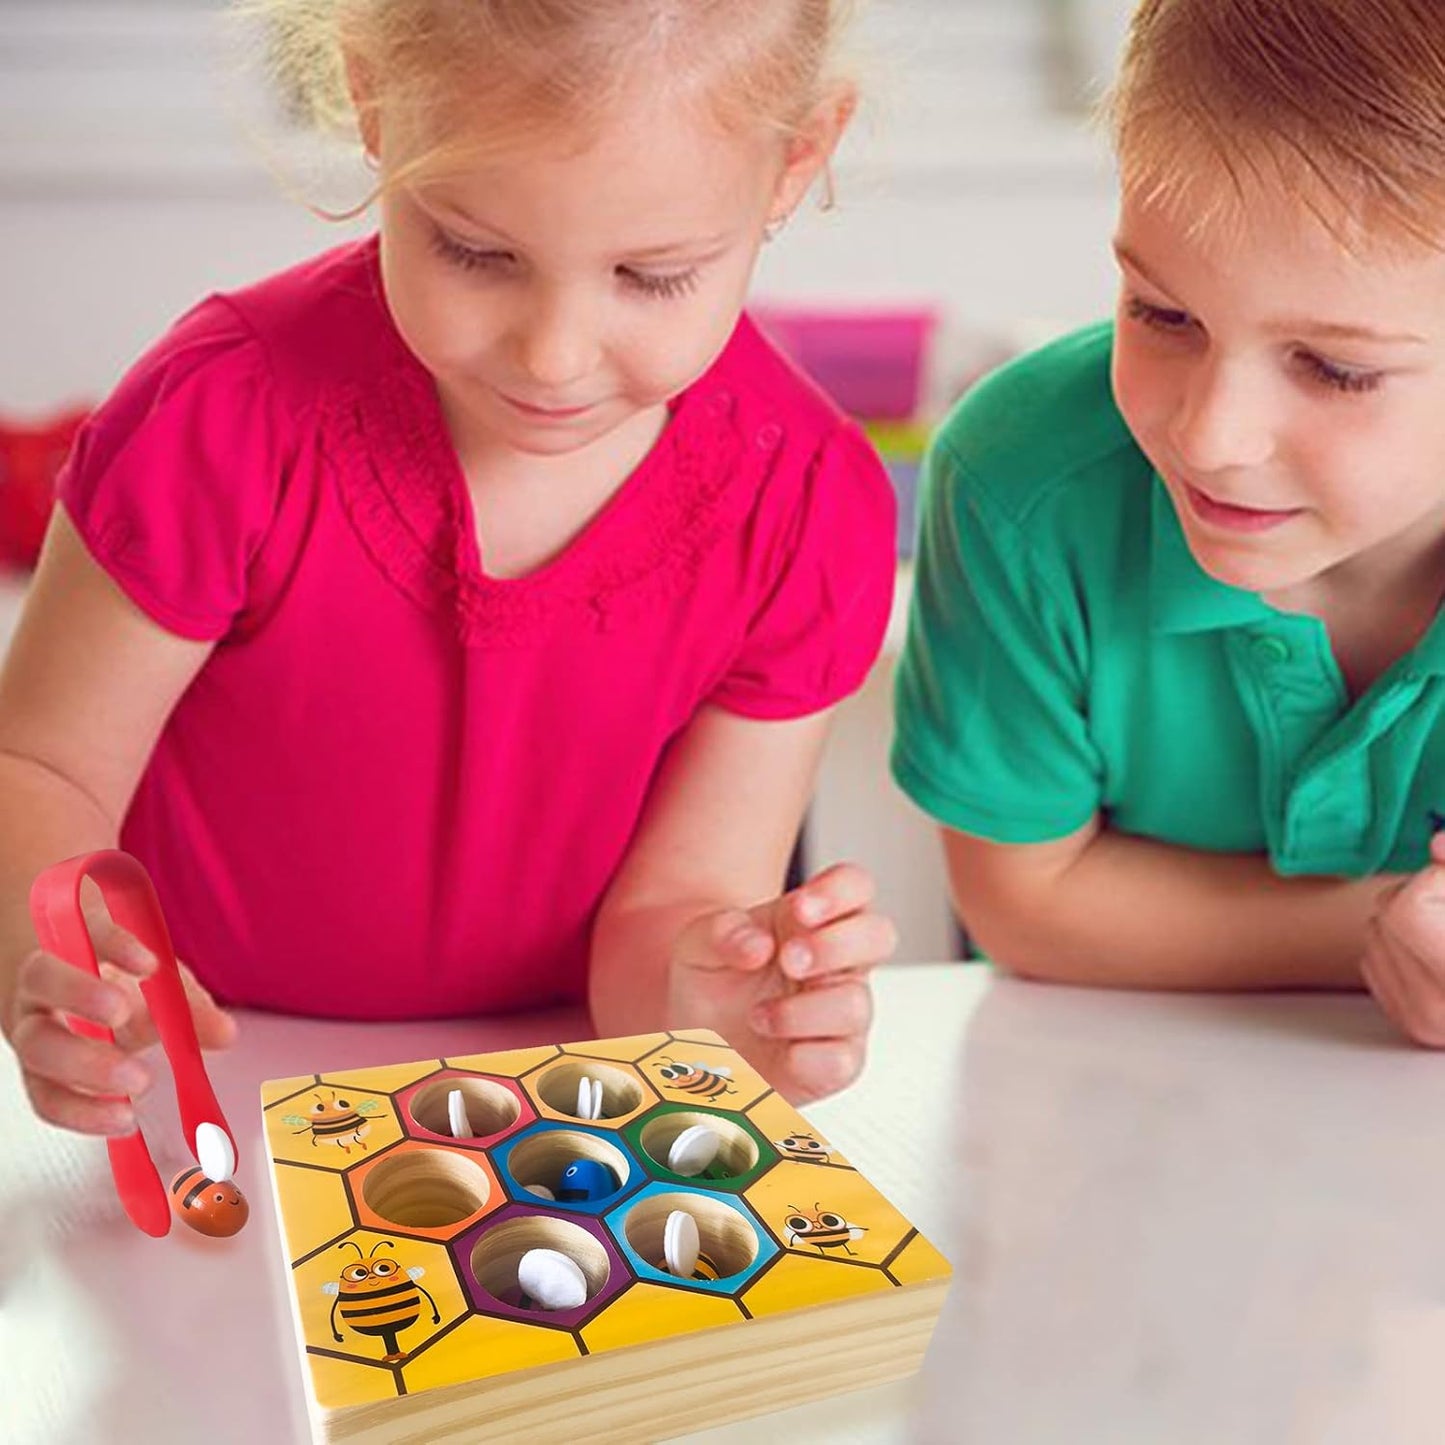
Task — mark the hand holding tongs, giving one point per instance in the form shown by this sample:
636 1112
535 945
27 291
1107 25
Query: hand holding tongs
61 929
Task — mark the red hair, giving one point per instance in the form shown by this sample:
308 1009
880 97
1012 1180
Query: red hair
1341 100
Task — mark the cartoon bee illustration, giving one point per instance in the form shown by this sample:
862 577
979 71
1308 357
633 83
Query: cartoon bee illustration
706 1081
823 1229
379 1298
804 1147
338 1122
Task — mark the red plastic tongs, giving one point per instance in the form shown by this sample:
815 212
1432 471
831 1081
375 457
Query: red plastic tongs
132 903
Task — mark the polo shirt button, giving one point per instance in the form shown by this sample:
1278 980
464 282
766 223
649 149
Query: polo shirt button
1271 649
722 403
769 436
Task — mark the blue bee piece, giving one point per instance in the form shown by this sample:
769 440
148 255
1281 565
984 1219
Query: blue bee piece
585 1181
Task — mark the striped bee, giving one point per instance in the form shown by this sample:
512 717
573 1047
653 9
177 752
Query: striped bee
338 1122
823 1229
210 1206
681 1254
378 1298
705 1268
803 1147
700 1079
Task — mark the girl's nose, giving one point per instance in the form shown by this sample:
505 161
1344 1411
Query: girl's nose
558 344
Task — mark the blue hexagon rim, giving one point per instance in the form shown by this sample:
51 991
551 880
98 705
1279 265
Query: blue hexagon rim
729 1286
518 1193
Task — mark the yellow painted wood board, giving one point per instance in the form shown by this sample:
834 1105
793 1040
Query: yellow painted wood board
404 1243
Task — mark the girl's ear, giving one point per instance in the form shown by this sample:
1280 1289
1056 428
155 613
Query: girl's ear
812 148
363 101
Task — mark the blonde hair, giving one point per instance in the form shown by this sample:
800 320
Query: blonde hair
1341 100
545 66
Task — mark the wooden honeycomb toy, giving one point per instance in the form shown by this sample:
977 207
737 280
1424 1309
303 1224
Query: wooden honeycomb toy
412 1249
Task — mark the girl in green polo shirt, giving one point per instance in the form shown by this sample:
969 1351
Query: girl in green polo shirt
1176 666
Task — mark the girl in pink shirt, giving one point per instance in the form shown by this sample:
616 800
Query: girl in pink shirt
450 623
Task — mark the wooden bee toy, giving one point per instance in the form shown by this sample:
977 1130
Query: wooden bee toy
203 1196
562 1242
131 901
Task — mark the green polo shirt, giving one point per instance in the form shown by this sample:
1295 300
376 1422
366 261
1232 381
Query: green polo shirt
1066 655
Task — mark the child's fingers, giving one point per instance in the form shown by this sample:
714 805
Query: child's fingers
1425 888
123 950
1386 897
728 939
44 982
824 1066
215 1028
834 893
82 1113
858 941
833 1012
1379 975
48 1050
1414 920
139 1030
1407 990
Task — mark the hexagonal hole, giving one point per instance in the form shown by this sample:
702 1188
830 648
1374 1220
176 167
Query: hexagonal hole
542 1159
499 1251
726 1242
426 1189
559 1086
737 1149
491 1109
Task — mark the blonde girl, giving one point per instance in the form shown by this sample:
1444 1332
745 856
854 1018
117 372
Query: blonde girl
451 622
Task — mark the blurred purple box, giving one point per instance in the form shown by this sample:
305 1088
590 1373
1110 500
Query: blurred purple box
871 361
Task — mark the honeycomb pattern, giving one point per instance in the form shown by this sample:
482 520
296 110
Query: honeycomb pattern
404 1241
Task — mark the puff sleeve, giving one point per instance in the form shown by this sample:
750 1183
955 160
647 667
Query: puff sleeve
820 625
173 481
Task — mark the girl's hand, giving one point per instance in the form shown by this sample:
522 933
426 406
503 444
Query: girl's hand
80 1083
1404 962
786 982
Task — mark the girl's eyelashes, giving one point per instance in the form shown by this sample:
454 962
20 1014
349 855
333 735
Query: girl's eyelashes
665 286
1350 379
662 285
468 257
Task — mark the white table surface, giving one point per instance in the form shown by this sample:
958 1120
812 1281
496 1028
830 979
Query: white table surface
1174 1221
107 1335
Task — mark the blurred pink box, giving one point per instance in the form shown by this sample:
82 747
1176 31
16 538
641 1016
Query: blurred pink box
871 361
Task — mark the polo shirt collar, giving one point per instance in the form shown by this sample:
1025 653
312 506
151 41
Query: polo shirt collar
1183 597
1429 653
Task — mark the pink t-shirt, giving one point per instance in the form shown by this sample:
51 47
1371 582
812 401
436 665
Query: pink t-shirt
400 787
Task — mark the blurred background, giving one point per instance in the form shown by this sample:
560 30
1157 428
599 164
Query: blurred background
142 166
